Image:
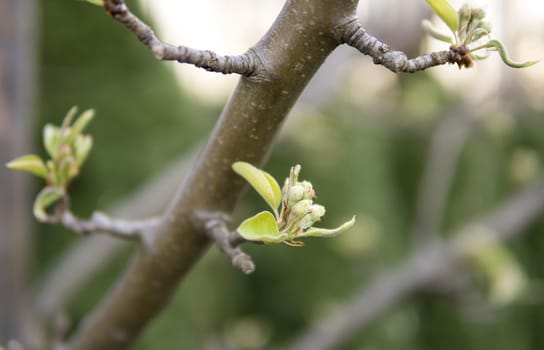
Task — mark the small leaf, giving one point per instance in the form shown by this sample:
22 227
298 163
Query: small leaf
81 123
30 163
67 121
446 12
261 228
47 196
265 185
502 52
323 232
51 139
83 145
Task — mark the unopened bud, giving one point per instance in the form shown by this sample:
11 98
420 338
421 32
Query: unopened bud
309 192
301 208
478 13
295 194
316 212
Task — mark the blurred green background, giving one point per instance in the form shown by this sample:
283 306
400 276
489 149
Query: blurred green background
365 156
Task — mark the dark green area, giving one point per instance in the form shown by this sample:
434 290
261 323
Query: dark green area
361 162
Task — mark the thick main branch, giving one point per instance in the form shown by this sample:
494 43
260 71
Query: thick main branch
292 50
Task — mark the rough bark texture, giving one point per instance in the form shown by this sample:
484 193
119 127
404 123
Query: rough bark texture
289 54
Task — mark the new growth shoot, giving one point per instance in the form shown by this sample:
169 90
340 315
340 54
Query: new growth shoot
470 34
297 211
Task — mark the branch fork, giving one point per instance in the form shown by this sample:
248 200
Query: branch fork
245 64
214 225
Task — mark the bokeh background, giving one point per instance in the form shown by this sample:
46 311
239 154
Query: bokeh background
373 144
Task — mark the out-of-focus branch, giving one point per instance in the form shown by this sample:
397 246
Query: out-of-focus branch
245 64
444 150
423 267
18 62
353 34
215 226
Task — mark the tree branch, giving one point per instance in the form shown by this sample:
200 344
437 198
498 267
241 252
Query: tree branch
353 34
245 64
85 258
215 226
423 267
101 223
294 48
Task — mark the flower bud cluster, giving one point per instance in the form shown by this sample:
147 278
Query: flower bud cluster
472 25
68 148
298 211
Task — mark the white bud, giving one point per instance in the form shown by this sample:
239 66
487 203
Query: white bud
316 212
295 194
301 208
309 192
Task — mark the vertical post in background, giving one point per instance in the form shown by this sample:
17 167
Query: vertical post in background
17 90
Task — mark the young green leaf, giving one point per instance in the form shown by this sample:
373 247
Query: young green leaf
446 12
504 56
324 232
265 185
67 121
261 228
30 163
83 145
51 139
81 123
47 196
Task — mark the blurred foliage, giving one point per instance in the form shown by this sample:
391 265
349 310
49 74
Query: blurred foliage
363 161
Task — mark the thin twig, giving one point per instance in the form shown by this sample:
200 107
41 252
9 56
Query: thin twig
101 223
422 268
85 258
353 34
215 226
245 64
